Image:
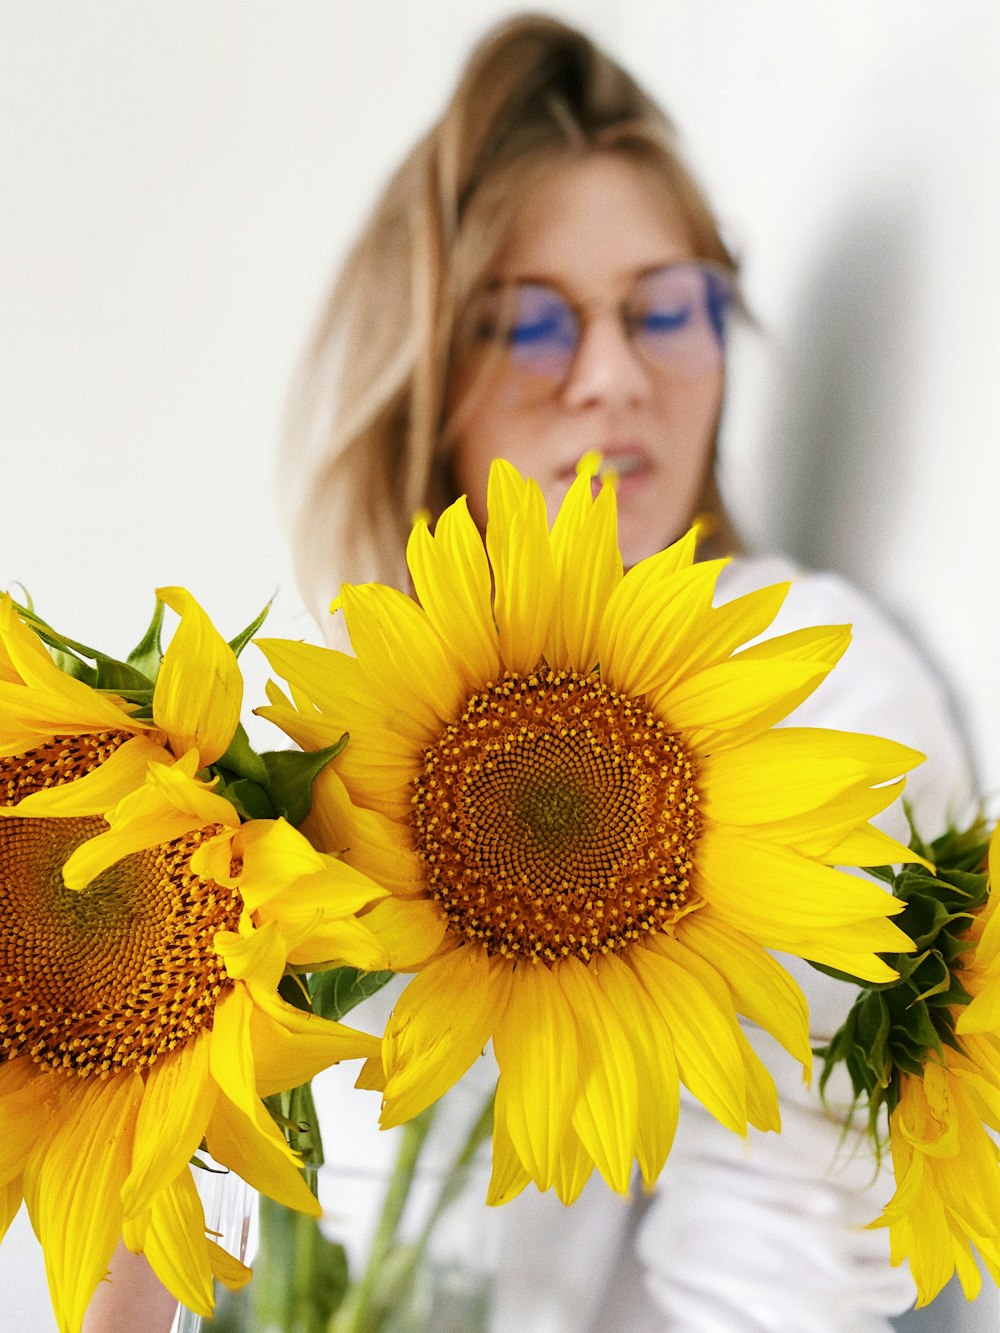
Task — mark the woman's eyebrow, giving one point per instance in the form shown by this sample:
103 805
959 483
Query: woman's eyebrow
626 278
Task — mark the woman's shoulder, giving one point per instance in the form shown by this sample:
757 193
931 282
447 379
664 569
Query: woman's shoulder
815 595
884 683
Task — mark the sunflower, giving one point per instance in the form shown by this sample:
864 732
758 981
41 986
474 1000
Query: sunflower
946 1164
566 776
143 932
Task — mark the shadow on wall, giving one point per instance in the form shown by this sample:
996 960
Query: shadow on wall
839 451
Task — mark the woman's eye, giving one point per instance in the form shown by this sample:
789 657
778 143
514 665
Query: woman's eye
664 321
529 333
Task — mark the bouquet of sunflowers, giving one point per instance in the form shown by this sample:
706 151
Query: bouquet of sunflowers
551 790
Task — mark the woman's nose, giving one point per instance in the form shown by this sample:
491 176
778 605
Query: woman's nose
606 368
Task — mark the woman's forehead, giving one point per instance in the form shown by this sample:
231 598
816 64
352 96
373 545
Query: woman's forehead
594 224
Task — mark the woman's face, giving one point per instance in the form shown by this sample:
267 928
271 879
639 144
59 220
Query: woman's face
568 368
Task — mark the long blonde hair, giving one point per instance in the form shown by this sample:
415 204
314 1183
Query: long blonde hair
366 445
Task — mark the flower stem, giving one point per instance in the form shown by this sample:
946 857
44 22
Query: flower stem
359 1312
454 1181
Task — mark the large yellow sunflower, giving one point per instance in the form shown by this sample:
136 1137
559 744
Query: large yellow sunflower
567 777
143 933
947 1165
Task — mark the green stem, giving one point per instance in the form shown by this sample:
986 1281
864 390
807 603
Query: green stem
304 1317
454 1181
357 1313
285 1281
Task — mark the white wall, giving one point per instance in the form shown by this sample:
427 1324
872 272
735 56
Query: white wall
178 181
853 150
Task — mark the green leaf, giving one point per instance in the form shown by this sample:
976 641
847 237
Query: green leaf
250 800
148 652
244 636
109 673
294 990
291 774
73 666
122 678
48 635
335 993
885 873
243 760
939 987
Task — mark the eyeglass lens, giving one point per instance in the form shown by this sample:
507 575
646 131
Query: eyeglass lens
675 318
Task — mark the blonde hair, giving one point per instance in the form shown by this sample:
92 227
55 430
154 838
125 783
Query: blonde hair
367 445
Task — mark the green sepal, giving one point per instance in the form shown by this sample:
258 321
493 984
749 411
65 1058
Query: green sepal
335 993
294 990
245 635
148 652
294 1111
291 774
71 665
108 673
249 800
120 678
242 760
243 779
894 1028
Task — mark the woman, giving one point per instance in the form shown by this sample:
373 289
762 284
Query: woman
542 277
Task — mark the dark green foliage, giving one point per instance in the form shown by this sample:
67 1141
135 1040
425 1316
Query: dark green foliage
894 1027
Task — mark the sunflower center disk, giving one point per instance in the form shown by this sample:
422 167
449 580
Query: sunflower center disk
115 976
557 816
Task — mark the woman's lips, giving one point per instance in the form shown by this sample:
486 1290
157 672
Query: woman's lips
620 461
630 467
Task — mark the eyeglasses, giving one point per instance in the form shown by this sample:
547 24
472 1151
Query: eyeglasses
675 318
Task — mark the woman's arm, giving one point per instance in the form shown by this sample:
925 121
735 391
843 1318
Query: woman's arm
131 1297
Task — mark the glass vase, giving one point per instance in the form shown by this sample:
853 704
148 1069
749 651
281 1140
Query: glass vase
230 1214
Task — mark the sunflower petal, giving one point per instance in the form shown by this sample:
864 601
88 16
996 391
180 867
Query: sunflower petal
176 1247
290 1046
256 1150
524 574
409 932
282 870
588 567
72 1184
536 1047
509 1177
368 840
409 667
227 1268
28 1098
653 1053
729 704
725 628
574 1167
38 700
650 619
11 1197
793 770
606 1113
440 1025
762 989
199 688
451 577
176 1105
709 1059
169 805
771 892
